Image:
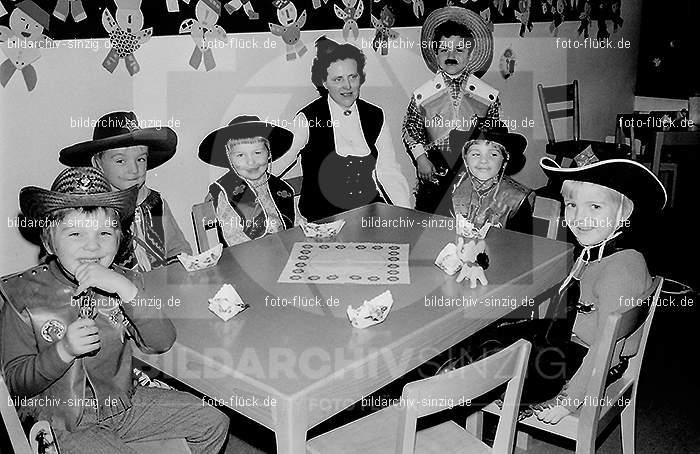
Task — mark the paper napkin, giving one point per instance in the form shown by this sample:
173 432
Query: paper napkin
227 303
327 230
201 261
371 312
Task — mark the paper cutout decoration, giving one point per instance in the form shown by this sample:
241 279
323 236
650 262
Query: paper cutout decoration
523 15
204 32
227 303
350 14
206 259
506 66
585 19
558 13
418 7
173 6
317 3
64 8
371 312
21 42
3 11
327 230
486 16
384 32
125 35
290 30
235 5
616 15
498 4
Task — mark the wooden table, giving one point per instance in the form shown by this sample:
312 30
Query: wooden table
671 137
290 368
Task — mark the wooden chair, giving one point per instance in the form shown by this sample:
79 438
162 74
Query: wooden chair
393 429
295 183
548 210
204 220
562 94
585 427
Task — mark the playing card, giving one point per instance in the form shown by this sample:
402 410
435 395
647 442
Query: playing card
371 312
227 303
201 261
448 260
327 230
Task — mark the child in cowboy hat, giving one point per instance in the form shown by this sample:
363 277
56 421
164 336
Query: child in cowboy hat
600 198
125 152
65 326
248 200
485 192
456 43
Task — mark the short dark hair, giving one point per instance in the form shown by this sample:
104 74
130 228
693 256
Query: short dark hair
451 28
329 52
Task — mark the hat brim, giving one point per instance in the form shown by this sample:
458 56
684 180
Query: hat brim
212 150
161 143
37 203
625 176
515 144
481 56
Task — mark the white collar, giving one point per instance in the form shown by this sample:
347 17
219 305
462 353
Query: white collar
337 109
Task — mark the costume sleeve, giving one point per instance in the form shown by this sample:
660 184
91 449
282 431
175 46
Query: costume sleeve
413 130
300 128
627 278
27 371
175 242
388 170
150 328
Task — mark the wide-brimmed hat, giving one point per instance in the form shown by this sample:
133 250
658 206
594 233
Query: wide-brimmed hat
212 150
77 187
625 176
480 57
514 144
118 130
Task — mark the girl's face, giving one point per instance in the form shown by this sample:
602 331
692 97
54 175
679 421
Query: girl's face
249 160
484 159
591 212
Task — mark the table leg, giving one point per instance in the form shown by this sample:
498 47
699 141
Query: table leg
656 157
291 418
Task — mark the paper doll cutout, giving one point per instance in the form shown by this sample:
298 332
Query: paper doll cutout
350 14
125 35
384 32
235 5
21 42
523 15
204 32
64 8
290 30
418 7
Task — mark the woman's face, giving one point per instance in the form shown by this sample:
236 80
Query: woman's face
249 160
343 82
484 159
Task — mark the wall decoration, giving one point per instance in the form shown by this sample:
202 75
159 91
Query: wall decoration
352 11
204 32
172 5
383 30
558 17
64 8
290 30
585 18
506 65
523 15
21 42
418 7
3 11
125 35
317 3
235 5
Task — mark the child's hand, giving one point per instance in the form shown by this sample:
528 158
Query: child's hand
96 275
425 168
81 338
552 415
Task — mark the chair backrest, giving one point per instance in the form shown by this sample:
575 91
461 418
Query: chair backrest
559 94
204 220
618 327
19 441
460 386
548 210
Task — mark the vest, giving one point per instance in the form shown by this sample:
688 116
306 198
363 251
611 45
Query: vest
332 183
244 200
441 114
496 210
152 226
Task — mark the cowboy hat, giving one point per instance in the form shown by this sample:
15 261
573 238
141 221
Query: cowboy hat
513 143
480 57
118 130
212 150
77 187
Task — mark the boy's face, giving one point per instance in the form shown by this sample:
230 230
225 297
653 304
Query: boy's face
85 238
124 167
453 54
591 212
484 159
249 160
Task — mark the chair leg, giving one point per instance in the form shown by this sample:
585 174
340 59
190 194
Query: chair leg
475 424
627 424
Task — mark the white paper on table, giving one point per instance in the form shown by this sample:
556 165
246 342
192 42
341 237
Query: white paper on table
227 302
371 312
327 230
448 260
201 261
